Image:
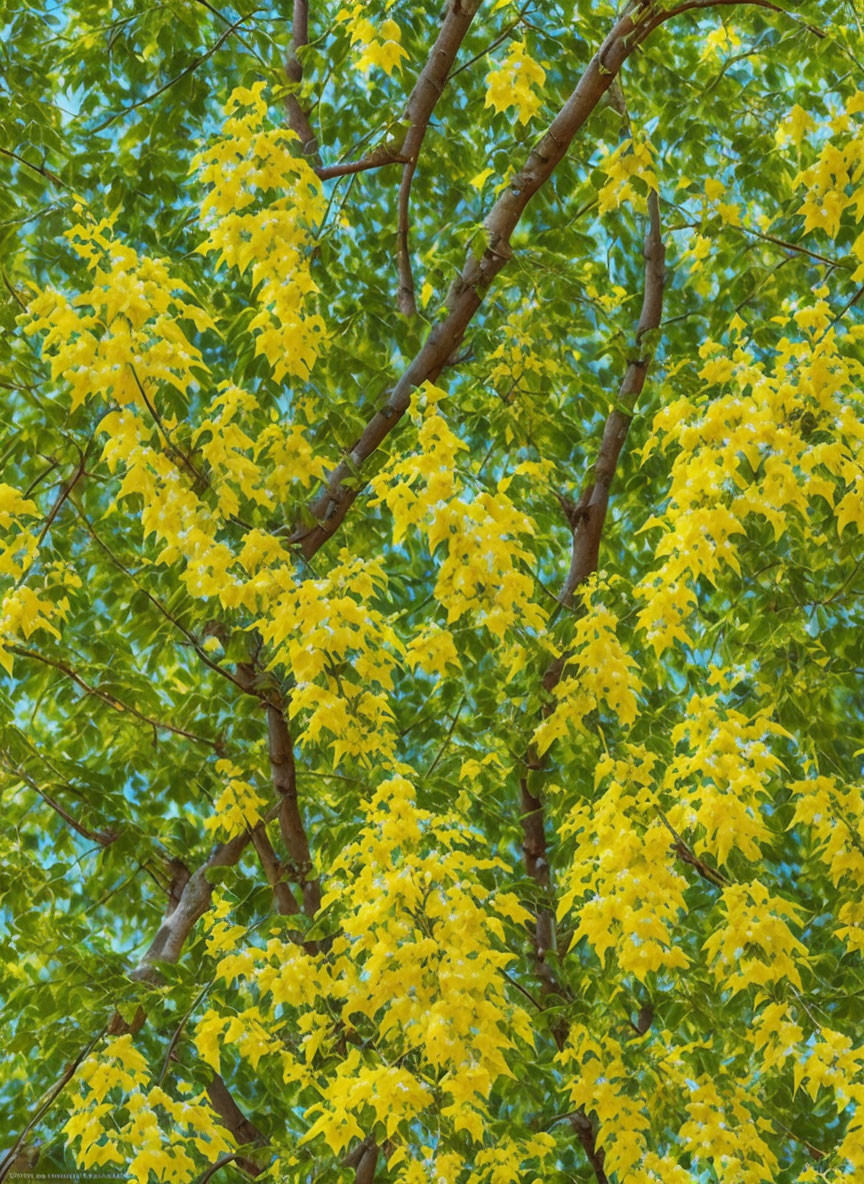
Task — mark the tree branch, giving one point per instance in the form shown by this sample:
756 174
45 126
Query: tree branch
103 837
467 294
589 514
192 903
297 117
587 518
365 1171
384 154
40 169
284 773
282 895
112 701
418 110
234 1120
421 104
45 1104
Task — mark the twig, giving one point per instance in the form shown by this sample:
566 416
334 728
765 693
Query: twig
44 1106
112 701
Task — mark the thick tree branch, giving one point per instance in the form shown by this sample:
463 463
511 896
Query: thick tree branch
467 294
421 104
234 1120
284 773
405 296
418 110
186 904
193 902
587 1136
283 897
365 1171
297 117
587 518
537 867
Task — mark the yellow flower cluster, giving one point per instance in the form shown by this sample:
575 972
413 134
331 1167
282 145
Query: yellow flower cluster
620 880
263 202
754 946
24 609
515 83
121 339
722 767
239 805
775 442
381 46
162 1134
418 960
833 182
342 652
632 160
599 672
482 568
599 1081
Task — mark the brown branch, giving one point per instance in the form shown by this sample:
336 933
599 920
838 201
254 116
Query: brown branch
365 1171
66 490
535 853
45 1104
691 5
421 103
103 838
418 110
586 519
179 879
188 899
405 297
282 895
297 117
178 1032
112 700
796 248
684 853
284 773
234 1120
173 449
40 169
467 294
587 1136
192 903
589 514
220 1163
190 69
493 45
379 157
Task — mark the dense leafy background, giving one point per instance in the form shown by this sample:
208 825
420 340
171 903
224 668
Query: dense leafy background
105 107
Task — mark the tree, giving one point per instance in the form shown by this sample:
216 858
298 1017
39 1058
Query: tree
433 499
